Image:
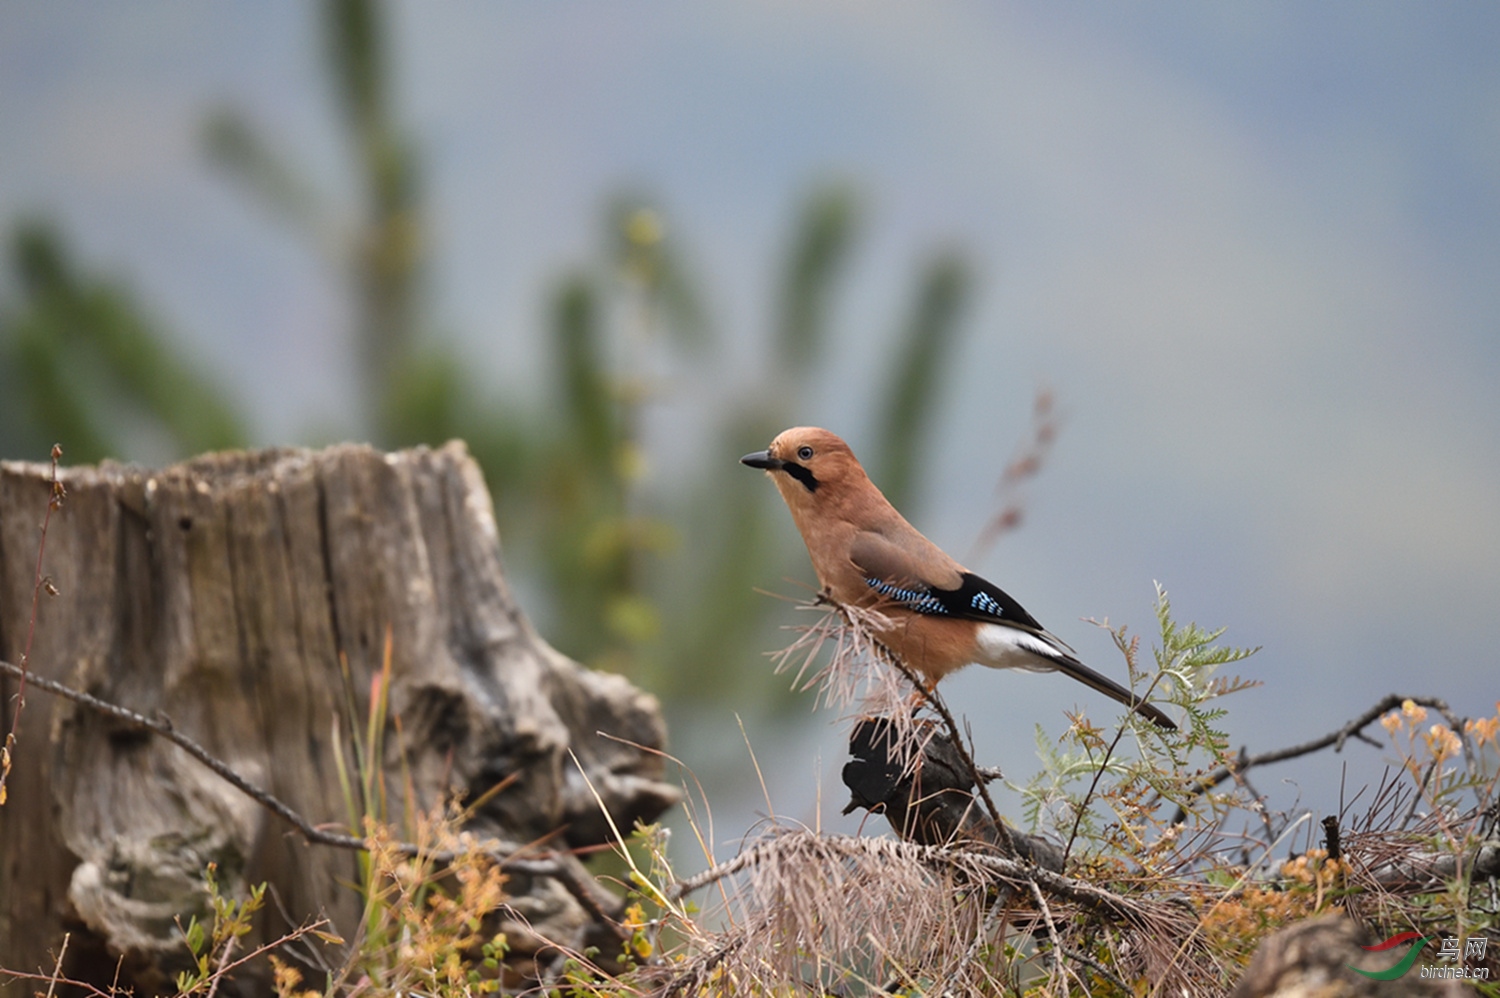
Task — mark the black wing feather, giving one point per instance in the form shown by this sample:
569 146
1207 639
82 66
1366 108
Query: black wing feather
982 600
974 599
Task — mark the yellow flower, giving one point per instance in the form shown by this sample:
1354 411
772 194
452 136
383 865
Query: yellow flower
1411 710
1483 729
1391 722
1442 742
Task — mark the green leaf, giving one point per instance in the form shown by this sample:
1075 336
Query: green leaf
194 935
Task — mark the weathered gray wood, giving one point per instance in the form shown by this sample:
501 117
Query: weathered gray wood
221 593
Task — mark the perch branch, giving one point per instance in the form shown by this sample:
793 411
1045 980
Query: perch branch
932 699
1096 900
955 736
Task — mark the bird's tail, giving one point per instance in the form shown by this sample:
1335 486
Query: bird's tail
1002 647
1088 677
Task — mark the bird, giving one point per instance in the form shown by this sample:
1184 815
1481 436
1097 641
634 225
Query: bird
940 616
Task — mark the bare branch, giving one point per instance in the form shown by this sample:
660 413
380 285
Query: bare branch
12 736
1336 738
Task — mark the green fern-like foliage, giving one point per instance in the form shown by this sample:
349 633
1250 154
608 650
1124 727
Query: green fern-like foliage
1109 790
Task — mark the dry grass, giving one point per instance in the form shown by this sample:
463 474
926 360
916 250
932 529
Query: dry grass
1169 885
1172 880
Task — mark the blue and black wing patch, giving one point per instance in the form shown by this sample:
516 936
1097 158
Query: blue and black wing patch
920 600
974 599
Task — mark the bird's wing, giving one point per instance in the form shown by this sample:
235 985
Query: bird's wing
891 570
932 583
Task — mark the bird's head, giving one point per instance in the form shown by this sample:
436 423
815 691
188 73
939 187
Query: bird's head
808 465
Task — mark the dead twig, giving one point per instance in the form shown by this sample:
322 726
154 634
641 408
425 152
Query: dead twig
13 736
218 975
1096 900
55 978
57 967
955 737
1025 464
1336 738
1060 968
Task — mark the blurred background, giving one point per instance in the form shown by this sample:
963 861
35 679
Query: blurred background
1228 273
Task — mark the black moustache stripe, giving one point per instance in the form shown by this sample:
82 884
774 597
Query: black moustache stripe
802 474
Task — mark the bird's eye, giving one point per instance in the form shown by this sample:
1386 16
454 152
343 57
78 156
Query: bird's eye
803 453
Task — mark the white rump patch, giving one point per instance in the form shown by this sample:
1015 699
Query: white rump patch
1002 647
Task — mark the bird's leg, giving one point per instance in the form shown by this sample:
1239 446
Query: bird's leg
923 694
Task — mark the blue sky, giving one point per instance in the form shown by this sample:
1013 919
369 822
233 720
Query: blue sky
1251 248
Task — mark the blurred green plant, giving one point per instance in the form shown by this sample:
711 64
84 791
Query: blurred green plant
642 573
82 363
650 578
407 384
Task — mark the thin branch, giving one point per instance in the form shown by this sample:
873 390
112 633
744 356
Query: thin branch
55 977
225 966
1353 729
57 967
161 725
213 987
12 736
1099 969
1127 724
1025 464
83 987
54 503
988 925
1052 937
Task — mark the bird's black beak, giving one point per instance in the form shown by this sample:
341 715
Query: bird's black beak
762 459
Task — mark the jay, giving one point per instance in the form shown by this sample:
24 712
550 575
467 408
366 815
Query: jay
942 616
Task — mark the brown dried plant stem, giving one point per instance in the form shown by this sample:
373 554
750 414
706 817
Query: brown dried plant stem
1025 464
13 735
563 867
1337 738
1059 967
1095 900
62 954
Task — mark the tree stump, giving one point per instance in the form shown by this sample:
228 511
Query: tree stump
222 594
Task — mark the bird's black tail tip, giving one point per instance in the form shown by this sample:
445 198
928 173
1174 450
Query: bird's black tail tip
1154 714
